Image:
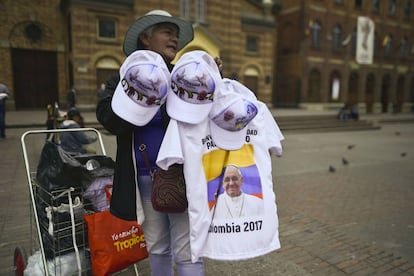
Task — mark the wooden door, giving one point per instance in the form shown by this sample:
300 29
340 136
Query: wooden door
35 78
102 75
252 83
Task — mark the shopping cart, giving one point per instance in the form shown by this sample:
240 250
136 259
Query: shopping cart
58 234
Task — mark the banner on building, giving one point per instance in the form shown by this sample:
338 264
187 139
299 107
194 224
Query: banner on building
365 40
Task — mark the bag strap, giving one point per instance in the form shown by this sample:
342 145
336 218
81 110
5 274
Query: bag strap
108 192
142 148
75 245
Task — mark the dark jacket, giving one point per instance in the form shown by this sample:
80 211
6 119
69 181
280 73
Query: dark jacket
123 202
74 141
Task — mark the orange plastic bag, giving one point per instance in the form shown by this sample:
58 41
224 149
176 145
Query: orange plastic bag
114 243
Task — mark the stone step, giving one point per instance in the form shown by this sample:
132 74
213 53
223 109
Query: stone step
320 123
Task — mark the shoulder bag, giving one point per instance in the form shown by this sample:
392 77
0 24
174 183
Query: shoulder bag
168 187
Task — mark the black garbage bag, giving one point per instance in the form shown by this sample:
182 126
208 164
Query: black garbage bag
97 165
57 169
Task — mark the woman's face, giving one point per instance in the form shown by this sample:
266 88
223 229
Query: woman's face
163 39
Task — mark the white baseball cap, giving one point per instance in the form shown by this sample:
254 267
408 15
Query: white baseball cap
194 80
143 87
233 109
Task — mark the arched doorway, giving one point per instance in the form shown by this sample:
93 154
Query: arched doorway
412 94
335 86
399 99
353 89
34 62
314 86
251 79
385 93
105 68
369 93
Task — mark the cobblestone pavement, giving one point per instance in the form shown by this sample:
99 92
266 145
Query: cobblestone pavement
357 220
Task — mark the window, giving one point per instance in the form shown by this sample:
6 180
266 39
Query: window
200 9
316 30
336 38
403 50
392 7
407 9
376 5
358 4
185 7
106 28
387 44
252 44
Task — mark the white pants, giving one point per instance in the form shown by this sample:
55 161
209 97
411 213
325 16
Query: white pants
168 238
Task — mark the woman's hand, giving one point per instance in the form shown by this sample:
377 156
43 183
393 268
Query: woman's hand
219 63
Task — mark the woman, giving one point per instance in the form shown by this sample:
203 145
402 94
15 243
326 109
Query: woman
167 234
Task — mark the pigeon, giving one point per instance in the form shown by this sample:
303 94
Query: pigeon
397 133
332 168
345 161
351 146
403 154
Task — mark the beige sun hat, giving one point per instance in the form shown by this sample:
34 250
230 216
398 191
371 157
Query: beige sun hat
186 33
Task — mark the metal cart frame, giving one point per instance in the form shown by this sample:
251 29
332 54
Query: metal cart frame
20 257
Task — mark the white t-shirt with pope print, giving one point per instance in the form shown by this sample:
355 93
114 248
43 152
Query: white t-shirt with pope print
204 163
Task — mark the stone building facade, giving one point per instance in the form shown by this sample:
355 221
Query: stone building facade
316 64
50 46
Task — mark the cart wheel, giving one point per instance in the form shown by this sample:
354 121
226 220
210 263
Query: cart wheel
20 260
